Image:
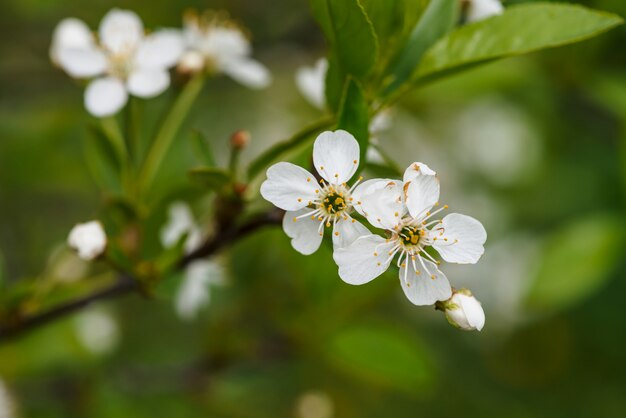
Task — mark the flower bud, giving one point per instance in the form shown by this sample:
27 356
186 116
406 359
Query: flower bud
240 139
88 239
464 311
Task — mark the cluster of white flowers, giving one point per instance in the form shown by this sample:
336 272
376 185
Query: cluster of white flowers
403 209
122 59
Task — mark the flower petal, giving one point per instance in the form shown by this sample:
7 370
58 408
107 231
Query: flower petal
472 311
105 96
336 156
289 187
346 231
194 292
311 82
364 260
121 30
459 239
70 33
82 62
304 232
160 50
248 72
424 287
148 83
383 206
482 9
421 188
88 239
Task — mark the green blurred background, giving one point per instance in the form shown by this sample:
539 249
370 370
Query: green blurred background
534 147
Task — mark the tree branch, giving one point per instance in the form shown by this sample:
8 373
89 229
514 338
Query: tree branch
127 284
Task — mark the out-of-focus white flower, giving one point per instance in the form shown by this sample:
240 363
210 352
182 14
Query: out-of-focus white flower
121 60
311 82
464 311
88 239
311 206
217 45
7 405
482 9
181 222
497 140
194 292
314 404
403 209
97 331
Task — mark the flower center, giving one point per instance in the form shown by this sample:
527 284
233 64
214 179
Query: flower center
409 237
120 64
334 201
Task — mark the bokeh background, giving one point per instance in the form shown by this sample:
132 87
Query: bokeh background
533 146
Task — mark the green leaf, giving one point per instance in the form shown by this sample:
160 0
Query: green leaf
280 149
577 261
202 149
354 116
437 20
520 30
349 32
211 177
382 354
334 83
102 160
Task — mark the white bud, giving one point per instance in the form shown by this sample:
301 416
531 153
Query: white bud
464 311
88 239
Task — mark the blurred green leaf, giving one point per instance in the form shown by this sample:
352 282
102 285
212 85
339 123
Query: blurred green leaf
334 82
202 148
354 116
437 20
521 29
577 261
210 177
3 273
102 160
280 149
382 354
349 32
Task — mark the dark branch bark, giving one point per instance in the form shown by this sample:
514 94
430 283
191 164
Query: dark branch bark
127 284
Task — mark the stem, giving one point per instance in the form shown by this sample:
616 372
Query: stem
168 131
133 129
112 131
127 284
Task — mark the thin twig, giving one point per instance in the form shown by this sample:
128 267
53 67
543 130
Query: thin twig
127 284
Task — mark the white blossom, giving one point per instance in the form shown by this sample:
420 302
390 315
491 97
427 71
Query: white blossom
482 9
181 222
97 331
217 45
403 209
194 292
464 311
311 82
311 206
88 239
120 60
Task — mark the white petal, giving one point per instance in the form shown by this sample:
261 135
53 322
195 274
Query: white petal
421 188
181 221
472 310
417 169
423 287
365 188
194 292
148 83
364 260
311 82
460 239
248 72
160 50
346 231
105 96
289 187
70 33
88 239
121 30
336 156
82 62
304 232
384 206
482 9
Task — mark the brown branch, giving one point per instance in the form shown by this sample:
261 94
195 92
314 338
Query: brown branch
127 284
